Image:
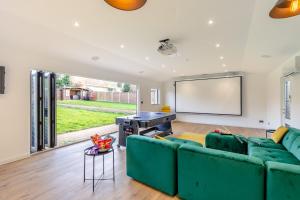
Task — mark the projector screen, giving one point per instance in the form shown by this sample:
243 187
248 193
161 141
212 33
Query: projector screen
219 96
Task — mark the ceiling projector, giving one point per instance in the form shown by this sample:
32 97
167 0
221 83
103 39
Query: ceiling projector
166 48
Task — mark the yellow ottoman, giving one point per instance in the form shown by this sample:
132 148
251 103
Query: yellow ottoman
166 109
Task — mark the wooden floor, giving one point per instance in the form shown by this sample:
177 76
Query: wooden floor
58 174
205 128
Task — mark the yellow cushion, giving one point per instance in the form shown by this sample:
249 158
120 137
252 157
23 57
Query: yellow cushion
279 134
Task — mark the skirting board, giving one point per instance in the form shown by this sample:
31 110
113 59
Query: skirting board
242 125
15 158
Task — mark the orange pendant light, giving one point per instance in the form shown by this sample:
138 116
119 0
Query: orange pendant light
127 5
285 9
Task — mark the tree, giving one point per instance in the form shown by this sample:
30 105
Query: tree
63 81
126 87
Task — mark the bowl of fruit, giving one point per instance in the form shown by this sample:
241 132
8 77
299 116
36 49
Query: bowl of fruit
102 143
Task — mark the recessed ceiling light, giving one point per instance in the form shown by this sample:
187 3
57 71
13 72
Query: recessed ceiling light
218 45
174 71
221 57
224 65
210 22
163 66
122 46
147 58
95 58
226 70
76 24
182 74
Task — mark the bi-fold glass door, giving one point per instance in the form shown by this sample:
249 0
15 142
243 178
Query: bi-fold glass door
43 110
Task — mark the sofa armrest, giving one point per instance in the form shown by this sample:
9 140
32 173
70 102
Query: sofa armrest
153 162
283 181
213 174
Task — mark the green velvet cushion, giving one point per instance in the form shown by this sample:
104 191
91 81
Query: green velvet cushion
263 142
295 148
210 174
153 162
276 155
225 143
283 181
290 137
182 141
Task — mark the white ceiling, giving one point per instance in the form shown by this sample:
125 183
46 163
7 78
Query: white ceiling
242 27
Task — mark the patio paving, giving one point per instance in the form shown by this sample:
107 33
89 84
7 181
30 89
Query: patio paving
78 136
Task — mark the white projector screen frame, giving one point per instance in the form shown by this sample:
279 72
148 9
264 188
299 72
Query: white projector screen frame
195 108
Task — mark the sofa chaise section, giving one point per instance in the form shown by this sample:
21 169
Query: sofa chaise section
287 152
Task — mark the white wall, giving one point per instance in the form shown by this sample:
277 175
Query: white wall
254 105
274 96
274 99
15 103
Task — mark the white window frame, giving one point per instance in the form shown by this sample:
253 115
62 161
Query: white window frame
155 96
67 93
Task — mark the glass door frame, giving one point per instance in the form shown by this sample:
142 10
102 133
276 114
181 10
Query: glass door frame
42 110
286 98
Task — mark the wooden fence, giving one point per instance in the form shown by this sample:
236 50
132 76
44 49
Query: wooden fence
116 97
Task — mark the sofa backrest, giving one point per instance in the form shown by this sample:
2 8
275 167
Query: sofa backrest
290 137
295 147
153 162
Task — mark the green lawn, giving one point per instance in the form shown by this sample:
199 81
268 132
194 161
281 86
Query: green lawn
121 106
69 119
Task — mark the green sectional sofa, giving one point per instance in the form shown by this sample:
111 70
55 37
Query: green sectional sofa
153 162
283 181
213 174
226 169
225 143
282 165
281 162
288 151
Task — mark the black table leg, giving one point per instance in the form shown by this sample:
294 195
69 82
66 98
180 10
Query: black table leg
103 166
84 168
113 164
93 173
